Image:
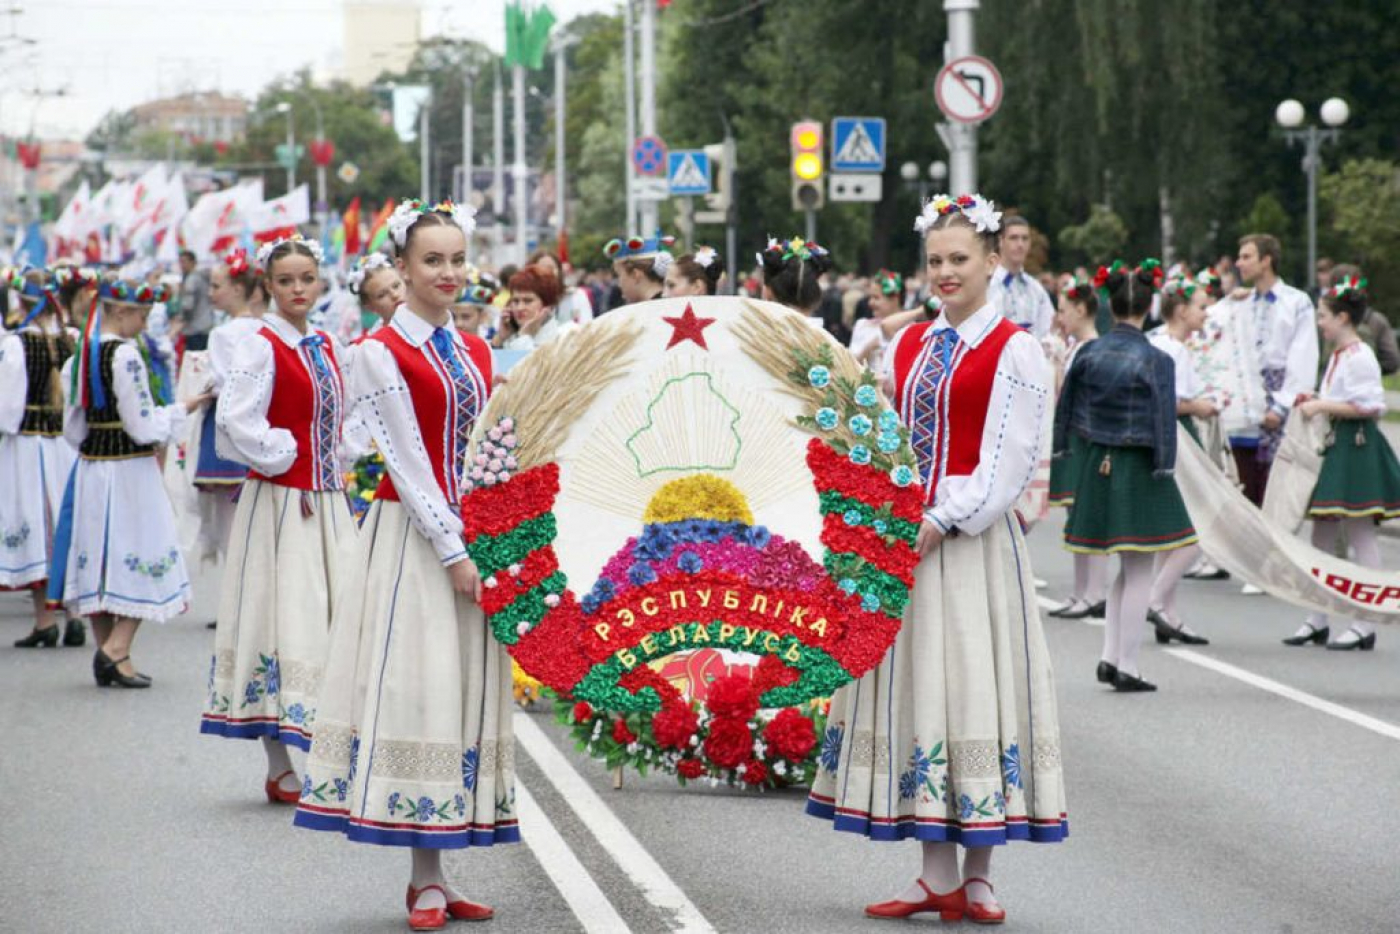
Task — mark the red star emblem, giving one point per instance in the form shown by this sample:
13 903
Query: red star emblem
688 327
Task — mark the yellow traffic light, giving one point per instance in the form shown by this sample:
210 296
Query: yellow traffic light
808 137
807 166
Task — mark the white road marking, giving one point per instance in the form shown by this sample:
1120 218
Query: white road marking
586 900
1384 728
631 857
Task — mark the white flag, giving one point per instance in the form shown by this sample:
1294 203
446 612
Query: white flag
291 209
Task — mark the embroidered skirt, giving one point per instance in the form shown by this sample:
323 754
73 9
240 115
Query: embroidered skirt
413 742
1360 475
284 573
124 556
35 470
1064 472
1120 506
955 736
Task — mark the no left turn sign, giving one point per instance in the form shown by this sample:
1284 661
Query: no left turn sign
968 89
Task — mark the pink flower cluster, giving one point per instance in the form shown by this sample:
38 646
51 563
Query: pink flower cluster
494 461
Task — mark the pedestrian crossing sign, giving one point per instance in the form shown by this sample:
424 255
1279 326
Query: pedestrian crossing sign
858 144
688 171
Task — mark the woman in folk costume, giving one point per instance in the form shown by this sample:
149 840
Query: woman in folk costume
1120 398
413 743
35 459
792 271
1075 315
235 287
1184 304
695 273
954 738
123 563
281 412
1359 485
640 265
377 285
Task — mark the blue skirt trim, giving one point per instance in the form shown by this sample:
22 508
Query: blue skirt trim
413 835
256 729
936 830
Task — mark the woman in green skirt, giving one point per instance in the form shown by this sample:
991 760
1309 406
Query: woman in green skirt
1074 316
1359 485
1120 397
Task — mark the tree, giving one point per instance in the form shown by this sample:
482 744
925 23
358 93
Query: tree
1099 239
1362 203
1266 216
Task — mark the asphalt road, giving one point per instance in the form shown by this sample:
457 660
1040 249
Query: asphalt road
1222 803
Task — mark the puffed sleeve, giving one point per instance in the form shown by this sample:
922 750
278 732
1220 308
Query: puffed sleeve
244 434
14 380
382 400
1010 441
1363 387
142 419
222 343
1300 368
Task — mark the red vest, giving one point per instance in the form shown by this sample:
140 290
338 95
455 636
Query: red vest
960 410
296 408
435 406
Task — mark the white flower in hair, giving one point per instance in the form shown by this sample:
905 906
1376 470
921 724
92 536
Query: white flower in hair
705 257
983 215
356 279
403 218
267 249
661 263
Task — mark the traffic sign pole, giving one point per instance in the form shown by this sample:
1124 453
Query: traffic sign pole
961 138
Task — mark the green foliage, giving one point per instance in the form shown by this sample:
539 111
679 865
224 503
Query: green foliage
1361 203
1266 216
1099 238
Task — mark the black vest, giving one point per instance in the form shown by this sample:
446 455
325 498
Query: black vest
43 405
106 440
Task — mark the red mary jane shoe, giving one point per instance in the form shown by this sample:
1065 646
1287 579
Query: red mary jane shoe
275 794
426 919
459 910
981 912
950 907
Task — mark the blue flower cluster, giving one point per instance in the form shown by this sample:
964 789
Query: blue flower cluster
690 562
889 421
887 442
603 591
827 418
860 425
860 455
866 396
819 377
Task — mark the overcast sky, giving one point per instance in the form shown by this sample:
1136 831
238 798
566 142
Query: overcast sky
112 54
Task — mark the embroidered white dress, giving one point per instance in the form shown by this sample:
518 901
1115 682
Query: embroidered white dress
1022 300
413 743
955 736
34 465
125 556
292 546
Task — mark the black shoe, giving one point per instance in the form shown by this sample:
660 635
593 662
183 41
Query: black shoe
1099 610
1130 684
1166 632
1106 673
45 637
1365 643
1219 574
1316 637
1084 611
74 634
107 672
212 624
1065 608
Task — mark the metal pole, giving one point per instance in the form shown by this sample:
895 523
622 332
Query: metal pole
962 137
519 172
468 115
731 219
498 149
630 94
322 207
651 210
811 224
561 186
1312 152
291 155
424 179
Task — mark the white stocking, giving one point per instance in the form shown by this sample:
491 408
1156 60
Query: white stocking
427 870
1170 567
279 763
977 864
1324 538
940 872
1361 534
1096 590
1127 611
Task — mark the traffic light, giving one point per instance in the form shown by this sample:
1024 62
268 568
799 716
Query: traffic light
808 166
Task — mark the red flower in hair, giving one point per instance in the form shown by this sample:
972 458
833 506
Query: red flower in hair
1101 277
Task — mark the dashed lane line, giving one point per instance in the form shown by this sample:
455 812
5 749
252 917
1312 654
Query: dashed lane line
611 833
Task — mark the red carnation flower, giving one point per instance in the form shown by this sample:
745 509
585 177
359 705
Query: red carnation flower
582 711
729 743
674 725
732 697
755 773
791 735
772 673
690 768
621 735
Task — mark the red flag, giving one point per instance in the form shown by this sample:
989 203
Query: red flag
352 227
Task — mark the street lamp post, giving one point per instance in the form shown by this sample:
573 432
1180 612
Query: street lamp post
322 206
937 173
285 109
1290 115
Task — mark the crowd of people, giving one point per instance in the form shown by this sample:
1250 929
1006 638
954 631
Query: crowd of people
343 628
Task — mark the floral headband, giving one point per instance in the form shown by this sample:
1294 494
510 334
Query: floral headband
1351 285
1182 287
366 267
890 283
134 293
237 262
977 209
1079 290
705 257
1152 266
637 247
795 248
266 250
408 213
478 293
